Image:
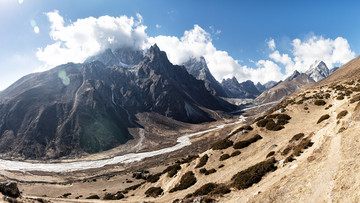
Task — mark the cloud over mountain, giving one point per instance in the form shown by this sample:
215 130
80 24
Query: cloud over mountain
76 41
85 37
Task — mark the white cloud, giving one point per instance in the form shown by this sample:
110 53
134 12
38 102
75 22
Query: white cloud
158 26
318 48
271 44
85 37
284 59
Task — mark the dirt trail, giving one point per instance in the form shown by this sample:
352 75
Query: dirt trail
324 181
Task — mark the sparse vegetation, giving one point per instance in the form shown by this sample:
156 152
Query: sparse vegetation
208 172
93 197
304 144
263 122
357 106
342 114
154 192
355 98
224 157
271 125
319 102
188 159
297 137
340 97
348 92
283 116
281 122
222 144
203 160
253 174
134 187
210 188
259 118
202 170
222 165
286 151
172 170
322 118
205 189
270 154
342 129
186 181
289 159
116 196
235 153
328 107
245 143
154 178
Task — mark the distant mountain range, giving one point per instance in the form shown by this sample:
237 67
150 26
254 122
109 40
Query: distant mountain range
317 72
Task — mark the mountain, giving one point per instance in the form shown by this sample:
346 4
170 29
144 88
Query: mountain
292 76
318 71
260 87
199 69
234 89
124 57
87 108
271 84
283 89
333 70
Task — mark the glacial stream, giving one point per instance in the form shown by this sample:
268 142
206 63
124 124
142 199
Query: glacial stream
182 141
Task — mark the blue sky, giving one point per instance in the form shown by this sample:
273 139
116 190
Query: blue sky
242 29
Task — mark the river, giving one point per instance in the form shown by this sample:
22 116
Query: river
182 141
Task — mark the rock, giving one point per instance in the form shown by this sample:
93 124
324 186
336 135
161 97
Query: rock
9 189
282 110
198 199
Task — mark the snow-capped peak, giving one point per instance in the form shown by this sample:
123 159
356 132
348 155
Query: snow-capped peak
318 71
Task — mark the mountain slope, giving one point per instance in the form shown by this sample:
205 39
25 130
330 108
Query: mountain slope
312 158
87 108
198 68
285 88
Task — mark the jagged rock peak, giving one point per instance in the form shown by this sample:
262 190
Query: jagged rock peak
293 76
318 71
154 53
